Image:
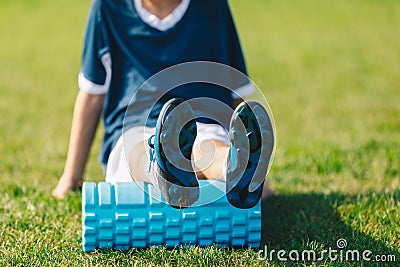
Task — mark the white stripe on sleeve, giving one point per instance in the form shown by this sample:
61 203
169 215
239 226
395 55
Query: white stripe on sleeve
97 89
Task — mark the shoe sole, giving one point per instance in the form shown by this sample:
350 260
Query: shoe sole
176 178
252 144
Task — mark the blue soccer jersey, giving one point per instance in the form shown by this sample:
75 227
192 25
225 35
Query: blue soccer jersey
125 45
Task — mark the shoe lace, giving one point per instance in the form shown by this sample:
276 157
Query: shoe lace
150 142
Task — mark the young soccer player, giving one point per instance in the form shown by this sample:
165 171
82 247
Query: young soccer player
128 41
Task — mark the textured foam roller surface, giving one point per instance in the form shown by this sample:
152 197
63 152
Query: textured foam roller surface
127 215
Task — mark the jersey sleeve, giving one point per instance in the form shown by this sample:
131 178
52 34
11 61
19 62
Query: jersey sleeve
95 73
243 85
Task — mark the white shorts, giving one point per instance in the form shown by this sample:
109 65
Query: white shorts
117 167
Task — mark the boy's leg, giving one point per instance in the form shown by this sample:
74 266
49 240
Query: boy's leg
165 160
171 151
209 158
128 159
210 151
138 161
252 141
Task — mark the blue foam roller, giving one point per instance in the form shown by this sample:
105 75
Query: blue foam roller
135 214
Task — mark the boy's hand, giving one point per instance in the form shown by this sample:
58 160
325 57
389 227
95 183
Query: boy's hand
66 184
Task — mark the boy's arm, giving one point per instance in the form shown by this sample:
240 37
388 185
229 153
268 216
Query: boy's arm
87 112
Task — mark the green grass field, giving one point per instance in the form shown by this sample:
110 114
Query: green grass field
331 73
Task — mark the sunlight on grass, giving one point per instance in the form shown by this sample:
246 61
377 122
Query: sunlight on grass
330 71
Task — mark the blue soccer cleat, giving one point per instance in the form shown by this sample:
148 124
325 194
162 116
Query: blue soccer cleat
252 145
171 151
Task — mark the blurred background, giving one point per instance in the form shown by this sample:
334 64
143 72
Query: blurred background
330 71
